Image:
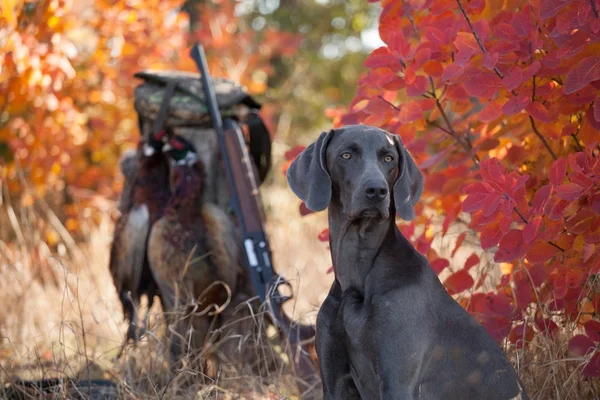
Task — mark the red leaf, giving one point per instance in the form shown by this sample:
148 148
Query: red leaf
596 107
523 292
549 8
521 334
540 198
381 57
399 44
592 329
418 87
585 72
459 241
489 143
472 261
506 32
497 327
558 169
569 191
573 45
531 229
293 152
521 21
479 83
547 326
580 345
467 46
592 368
541 252
490 204
538 111
514 79
581 222
473 202
538 274
589 249
434 35
410 111
305 210
439 265
490 112
530 71
324 235
458 282
594 201
498 305
516 104
433 68
422 56
490 236
511 246
452 71
490 59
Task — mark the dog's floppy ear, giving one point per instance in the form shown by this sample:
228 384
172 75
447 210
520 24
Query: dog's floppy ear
409 184
308 177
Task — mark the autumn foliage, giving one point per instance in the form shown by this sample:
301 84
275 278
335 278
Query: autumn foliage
498 101
66 85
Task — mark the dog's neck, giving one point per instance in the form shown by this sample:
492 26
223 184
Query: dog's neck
355 244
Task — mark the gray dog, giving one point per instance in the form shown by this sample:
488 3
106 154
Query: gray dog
388 329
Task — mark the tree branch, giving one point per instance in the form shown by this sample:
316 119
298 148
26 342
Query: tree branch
391 104
412 21
520 215
542 139
594 8
433 123
450 131
479 42
515 209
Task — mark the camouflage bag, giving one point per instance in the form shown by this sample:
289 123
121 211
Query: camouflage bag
175 100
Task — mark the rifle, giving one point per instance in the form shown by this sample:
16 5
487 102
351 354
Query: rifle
247 207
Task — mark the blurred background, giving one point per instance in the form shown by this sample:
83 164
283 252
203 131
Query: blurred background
66 116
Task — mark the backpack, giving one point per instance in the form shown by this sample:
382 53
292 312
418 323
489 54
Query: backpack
175 100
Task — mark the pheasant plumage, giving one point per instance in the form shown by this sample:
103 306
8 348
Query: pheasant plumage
145 195
193 254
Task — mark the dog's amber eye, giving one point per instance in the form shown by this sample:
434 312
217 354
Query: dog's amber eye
346 156
388 158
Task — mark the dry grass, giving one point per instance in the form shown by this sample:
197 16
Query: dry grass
60 316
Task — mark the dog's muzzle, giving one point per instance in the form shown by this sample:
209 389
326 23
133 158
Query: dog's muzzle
372 200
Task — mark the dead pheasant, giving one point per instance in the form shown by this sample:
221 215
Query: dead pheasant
145 195
193 254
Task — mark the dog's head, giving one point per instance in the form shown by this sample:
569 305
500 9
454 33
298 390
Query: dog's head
365 170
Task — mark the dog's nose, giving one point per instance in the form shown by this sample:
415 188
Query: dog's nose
376 190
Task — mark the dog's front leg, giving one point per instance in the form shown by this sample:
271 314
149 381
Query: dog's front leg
331 350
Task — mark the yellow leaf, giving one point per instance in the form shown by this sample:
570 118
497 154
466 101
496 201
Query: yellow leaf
53 21
72 224
8 11
27 200
506 268
578 243
52 237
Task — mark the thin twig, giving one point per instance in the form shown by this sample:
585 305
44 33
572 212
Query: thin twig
433 123
542 139
412 21
594 8
520 215
479 42
390 103
450 131
527 223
